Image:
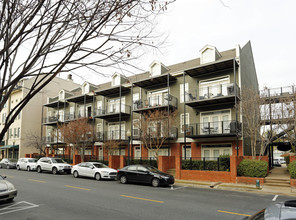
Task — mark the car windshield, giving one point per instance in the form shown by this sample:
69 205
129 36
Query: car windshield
100 165
58 160
32 160
152 169
1 178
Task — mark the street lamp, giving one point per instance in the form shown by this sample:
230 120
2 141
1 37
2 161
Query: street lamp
128 133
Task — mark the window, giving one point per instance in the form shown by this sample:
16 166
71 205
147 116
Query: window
214 88
114 105
182 121
10 132
3 117
136 124
99 107
18 132
15 130
132 168
217 122
161 152
116 80
216 150
186 152
182 92
157 98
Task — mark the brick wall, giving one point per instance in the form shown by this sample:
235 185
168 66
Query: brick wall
166 162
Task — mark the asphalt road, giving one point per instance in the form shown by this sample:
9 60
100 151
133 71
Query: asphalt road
47 196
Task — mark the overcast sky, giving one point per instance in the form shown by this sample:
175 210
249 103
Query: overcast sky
270 25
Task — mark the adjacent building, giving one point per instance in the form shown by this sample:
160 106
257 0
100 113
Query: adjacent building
29 121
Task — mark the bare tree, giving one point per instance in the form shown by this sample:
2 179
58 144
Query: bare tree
258 119
43 38
112 146
77 133
37 142
156 127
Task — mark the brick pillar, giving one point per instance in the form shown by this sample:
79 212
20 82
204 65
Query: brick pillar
76 159
233 168
122 162
292 158
178 162
114 162
161 163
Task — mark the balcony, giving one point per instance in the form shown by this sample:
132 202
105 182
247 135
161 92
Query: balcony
52 120
53 140
155 102
114 112
156 81
81 99
115 135
99 136
214 129
213 97
156 132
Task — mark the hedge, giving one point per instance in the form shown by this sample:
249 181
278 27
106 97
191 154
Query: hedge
292 169
252 168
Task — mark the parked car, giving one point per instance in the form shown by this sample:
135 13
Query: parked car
282 210
26 164
8 163
144 174
93 169
54 165
7 190
277 162
282 160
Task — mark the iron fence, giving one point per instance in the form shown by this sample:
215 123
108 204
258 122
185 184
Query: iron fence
221 163
151 161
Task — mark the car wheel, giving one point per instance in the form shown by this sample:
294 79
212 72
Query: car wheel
28 169
0 166
76 174
18 167
54 171
123 179
39 170
97 176
155 182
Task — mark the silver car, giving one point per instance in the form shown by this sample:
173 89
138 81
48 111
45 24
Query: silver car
7 190
93 169
278 211
8 163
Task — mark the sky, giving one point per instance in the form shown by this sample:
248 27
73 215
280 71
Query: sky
270 25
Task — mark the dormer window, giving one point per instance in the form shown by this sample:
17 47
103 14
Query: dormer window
116 80
85 88
61 95
209 54
157 68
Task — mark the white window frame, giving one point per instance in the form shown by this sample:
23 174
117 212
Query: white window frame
182 92
220 118
183 151
187 116
211 149
211 83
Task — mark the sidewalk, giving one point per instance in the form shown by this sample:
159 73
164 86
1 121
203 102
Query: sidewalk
237 187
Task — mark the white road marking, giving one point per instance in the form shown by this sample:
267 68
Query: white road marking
275 197
174 187
18 206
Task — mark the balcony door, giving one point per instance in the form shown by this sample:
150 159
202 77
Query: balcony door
215 122
114 131
214 88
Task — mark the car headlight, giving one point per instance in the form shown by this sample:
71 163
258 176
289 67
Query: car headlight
61 167
11 187
105 172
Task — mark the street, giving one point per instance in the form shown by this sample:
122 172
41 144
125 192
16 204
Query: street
47 196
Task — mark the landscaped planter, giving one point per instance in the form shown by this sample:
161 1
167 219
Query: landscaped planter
249 180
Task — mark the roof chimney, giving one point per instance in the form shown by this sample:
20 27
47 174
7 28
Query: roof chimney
69 77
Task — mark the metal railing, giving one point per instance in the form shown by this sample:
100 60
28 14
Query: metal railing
212 128
208 92
156 132
279 91
66 158
50 139
113 109
151 161
115 135
155 101
221 163
100 159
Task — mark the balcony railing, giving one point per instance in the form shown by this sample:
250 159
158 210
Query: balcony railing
280 91
155 132
155 101
213 128
209 92
115 135
50 139
113 109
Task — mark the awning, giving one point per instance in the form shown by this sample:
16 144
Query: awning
9 147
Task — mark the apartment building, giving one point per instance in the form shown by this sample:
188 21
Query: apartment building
204 91
29 121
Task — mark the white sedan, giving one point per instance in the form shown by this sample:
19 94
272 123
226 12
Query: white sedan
7 190
93 169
